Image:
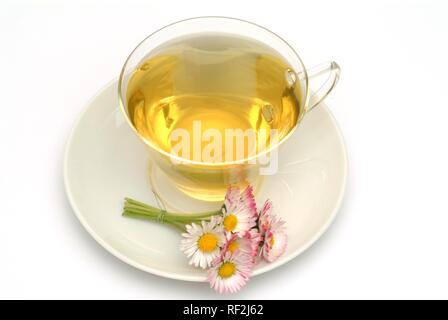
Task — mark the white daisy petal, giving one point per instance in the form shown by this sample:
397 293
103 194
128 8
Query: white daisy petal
202 242
230 273
248 245
275 240
265 216
248 199
238 217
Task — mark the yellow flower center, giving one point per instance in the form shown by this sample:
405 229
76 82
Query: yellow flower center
272 241
227 270
230 222
233 246
207 242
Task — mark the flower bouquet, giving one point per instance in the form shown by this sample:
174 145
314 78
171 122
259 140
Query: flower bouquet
228 242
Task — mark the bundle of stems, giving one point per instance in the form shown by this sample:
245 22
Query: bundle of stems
136 209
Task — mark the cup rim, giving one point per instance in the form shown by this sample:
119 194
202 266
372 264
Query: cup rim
182 160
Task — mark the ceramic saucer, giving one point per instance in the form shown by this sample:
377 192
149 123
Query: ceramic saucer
105 161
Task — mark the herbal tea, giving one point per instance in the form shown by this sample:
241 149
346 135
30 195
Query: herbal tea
213 81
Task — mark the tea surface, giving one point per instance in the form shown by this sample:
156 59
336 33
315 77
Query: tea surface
225 82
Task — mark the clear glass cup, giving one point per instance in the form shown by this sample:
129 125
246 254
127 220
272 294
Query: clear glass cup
209 180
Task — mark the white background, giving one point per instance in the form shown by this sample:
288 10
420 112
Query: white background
390 239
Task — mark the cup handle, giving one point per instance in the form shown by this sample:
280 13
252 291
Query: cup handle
333 70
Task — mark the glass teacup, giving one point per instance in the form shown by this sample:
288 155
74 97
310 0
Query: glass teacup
217 74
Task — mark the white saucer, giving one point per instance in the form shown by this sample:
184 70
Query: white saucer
105 162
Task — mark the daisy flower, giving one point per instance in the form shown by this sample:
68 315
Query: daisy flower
202 243
247 245
230 273
265 217
275 240
248 200
255 239
232 197
237 217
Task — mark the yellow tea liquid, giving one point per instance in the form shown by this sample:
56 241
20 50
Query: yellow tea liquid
223 81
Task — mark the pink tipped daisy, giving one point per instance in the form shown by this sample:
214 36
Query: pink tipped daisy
230 273
265 217
255 240
248 199
275 240
202 243
237 217
232 197
243 245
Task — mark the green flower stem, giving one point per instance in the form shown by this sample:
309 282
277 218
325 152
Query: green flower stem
137 209
166 215
140 204
180 227
131 204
